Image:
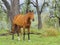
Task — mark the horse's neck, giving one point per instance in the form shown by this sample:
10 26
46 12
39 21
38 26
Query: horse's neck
27 18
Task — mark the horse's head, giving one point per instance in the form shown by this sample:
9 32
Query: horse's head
31 15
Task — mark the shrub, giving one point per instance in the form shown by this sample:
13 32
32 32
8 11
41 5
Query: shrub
50 32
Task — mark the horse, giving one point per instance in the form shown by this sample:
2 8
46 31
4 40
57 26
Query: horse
22 21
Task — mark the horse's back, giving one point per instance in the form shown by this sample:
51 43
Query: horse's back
18 19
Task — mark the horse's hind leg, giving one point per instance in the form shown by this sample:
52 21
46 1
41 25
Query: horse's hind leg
23 33
13 32
18 36
14 28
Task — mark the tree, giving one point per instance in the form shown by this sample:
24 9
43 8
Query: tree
27 5
35 4
56 7
57 10
12 9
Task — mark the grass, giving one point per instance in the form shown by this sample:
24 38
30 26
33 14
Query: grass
35 40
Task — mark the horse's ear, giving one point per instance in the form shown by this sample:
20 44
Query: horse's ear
29 10
32 11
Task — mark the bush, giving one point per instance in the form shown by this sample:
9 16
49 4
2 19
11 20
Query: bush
50 32
51 21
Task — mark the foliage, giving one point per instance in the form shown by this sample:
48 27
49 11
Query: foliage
23 10
51 21
3 19
56 7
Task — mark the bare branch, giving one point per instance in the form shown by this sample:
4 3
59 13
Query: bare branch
5 10
21 4
33 4
43 6
6 4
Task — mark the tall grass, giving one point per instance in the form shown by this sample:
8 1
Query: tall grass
51 31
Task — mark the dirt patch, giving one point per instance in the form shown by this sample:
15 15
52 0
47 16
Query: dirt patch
36 33
6 34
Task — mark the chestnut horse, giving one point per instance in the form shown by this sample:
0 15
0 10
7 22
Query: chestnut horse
22 21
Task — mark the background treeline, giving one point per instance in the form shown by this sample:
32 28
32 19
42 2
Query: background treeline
47 13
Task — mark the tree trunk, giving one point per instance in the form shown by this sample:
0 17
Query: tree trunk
39 16
14 8
39 21
59 21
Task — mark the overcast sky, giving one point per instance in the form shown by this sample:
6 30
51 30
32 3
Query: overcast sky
39 1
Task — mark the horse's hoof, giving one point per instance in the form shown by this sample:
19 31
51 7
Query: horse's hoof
18 38
29 40
12 38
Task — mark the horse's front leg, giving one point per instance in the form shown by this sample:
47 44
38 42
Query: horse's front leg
13 32
29 33
18 36
23 33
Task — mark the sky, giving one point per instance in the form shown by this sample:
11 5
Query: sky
39 1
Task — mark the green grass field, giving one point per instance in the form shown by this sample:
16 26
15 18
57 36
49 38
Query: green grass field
35 40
